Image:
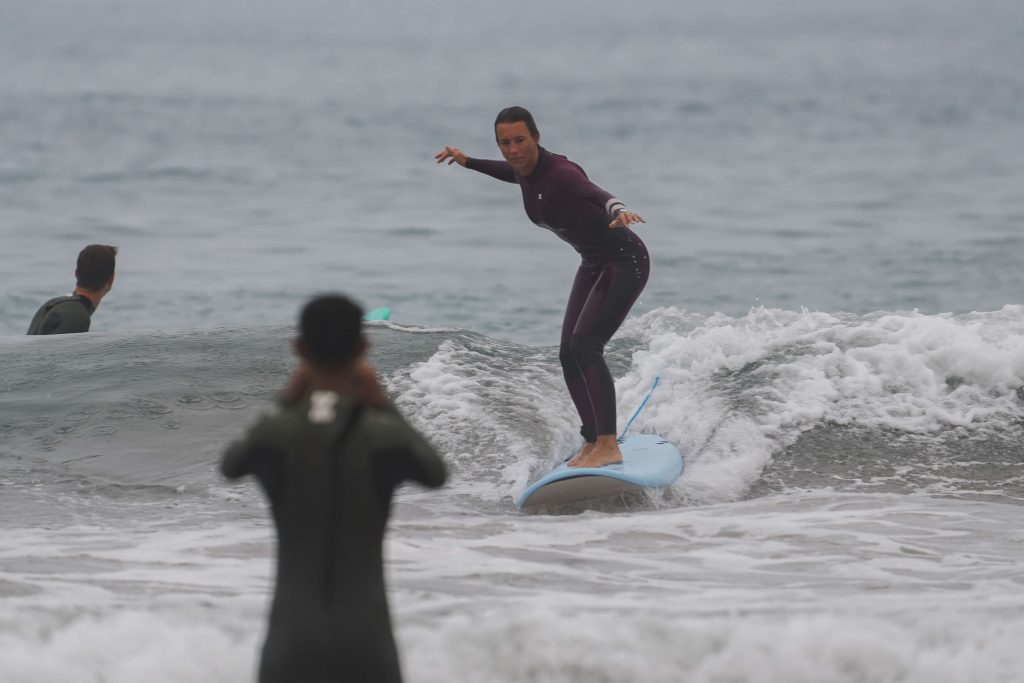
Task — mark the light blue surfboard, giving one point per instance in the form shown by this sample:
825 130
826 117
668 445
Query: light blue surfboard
383 313
648 461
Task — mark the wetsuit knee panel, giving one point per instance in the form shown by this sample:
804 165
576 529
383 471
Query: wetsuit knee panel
584 347
565 354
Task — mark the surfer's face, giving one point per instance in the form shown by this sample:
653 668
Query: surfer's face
518 146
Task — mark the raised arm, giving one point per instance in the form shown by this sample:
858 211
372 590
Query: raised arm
500 170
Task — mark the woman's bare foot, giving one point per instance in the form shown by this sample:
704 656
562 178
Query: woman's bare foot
583 451
604 452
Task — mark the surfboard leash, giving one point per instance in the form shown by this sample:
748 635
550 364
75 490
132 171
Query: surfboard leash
636 413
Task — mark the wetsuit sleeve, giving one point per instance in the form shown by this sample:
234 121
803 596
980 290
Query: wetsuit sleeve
69 317
235 461
575 183
243 455
501 170
407 455
264 463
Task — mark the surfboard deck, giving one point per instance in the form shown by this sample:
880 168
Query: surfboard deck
648 461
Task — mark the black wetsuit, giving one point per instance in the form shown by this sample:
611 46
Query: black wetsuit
558 196
329 469
63 315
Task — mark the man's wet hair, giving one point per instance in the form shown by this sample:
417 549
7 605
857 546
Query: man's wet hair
331 326
95 266
514 115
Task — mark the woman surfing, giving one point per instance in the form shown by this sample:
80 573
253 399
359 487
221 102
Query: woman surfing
558 195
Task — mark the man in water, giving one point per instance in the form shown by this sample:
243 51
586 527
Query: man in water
329 460
73 313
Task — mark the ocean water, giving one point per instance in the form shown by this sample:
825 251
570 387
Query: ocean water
835 216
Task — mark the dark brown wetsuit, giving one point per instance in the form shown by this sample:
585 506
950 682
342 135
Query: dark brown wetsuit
329 469
558 196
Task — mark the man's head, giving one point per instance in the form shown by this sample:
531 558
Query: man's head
95 270
330 332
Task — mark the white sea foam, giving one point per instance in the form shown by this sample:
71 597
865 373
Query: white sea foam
412 329
135 601
808 587
796 588
492 411
550 646
735 391
129 646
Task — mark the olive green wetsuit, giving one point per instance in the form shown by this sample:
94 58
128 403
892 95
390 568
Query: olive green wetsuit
329 468
63 315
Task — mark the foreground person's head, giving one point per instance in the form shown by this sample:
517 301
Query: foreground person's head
330 333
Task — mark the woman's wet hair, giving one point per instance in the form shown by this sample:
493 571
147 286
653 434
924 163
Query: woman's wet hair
331 325
514 115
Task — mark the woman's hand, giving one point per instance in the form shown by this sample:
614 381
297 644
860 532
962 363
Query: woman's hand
454 155
625 219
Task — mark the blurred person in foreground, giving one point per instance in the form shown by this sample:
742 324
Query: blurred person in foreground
329 459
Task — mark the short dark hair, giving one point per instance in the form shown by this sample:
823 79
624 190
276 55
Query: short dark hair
515 114
331 326
95 266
